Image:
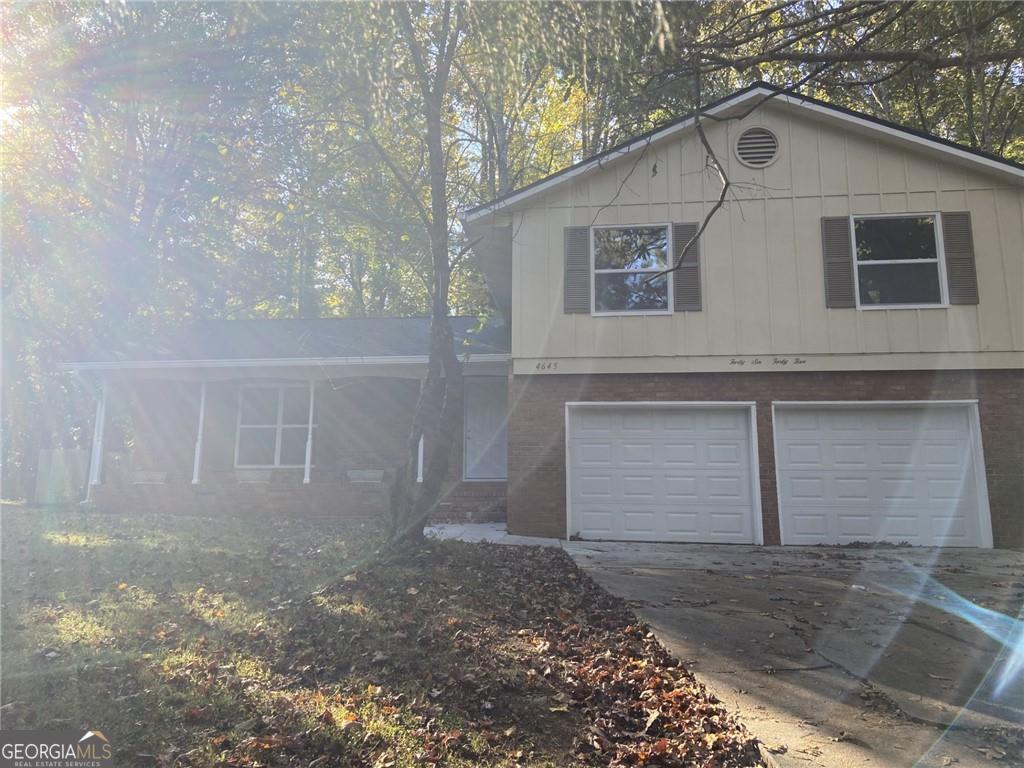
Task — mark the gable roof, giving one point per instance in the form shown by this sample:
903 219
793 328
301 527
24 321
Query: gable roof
336 339
746 97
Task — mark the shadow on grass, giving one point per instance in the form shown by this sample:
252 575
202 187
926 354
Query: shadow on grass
201 642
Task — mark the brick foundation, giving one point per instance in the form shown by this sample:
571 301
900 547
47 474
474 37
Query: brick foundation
536 435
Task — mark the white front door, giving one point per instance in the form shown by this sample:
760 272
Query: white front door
485 448
661 472
862 472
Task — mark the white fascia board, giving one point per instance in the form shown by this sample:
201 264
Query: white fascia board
292 362
767 95
610 157
988 163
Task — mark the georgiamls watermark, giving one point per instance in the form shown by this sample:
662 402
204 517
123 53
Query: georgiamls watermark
55 749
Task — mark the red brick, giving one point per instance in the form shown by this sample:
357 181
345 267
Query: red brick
536 492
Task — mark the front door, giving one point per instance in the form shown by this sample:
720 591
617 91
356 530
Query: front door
485 447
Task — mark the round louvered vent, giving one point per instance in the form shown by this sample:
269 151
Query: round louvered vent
757 147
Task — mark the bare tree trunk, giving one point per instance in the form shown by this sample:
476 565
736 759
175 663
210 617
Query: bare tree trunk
439 408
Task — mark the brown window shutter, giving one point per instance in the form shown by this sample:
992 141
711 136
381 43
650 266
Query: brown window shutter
961 273
686 279
837 250
577 270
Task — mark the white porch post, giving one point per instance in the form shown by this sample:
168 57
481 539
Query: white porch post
309 433
419 446
197 460
96 458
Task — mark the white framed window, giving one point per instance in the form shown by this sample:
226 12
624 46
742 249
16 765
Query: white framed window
273 422
625 262
898 261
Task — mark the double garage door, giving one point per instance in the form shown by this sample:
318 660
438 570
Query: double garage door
845 472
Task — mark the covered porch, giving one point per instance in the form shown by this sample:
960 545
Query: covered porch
289 436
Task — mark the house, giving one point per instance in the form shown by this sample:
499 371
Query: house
839 357
292 417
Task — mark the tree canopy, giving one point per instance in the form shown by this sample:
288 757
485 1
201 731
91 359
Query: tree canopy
170 161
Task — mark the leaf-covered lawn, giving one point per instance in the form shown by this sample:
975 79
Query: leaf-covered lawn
193 642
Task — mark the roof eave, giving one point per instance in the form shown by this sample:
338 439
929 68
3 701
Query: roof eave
292 362
1005 168
612 155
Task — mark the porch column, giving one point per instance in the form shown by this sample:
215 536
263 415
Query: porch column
198 457
309 433
96 458
419 446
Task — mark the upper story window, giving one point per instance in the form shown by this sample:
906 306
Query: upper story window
627 261
898 261
273 421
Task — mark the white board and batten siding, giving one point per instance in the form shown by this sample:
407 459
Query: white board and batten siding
896 472
761 257
676 472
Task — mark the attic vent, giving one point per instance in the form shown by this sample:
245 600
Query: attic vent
757 147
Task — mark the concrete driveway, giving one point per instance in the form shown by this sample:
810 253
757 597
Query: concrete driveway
842 656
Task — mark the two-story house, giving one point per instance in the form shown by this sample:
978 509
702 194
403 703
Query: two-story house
838 357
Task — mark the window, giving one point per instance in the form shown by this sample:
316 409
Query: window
272 425
898 261
627 261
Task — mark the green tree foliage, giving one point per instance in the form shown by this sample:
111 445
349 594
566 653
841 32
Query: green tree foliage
177 160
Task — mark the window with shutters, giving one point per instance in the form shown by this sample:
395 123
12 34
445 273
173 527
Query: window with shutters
627 262
898 261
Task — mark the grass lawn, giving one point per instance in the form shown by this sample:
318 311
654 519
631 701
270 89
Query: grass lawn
193 642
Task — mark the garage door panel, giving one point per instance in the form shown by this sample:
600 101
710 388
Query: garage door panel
635 453
728 522
593 453
808 527
843 423
862 473
589 422
675 454
734 421
807 454
683 524
682 488
638 521
639 487
670 474
637 421
600 521
806 488
846 455
727 488
942 454
679 421
728 454
594 486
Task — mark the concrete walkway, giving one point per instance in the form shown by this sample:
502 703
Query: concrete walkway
835 656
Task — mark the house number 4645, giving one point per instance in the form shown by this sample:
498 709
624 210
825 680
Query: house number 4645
548 365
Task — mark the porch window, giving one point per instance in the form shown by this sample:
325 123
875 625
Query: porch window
898 261
626 262
272 426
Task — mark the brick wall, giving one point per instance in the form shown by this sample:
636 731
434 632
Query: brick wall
536 491
362 423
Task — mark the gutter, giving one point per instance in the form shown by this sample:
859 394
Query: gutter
270 362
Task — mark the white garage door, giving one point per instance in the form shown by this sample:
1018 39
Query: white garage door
879 473
661 473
